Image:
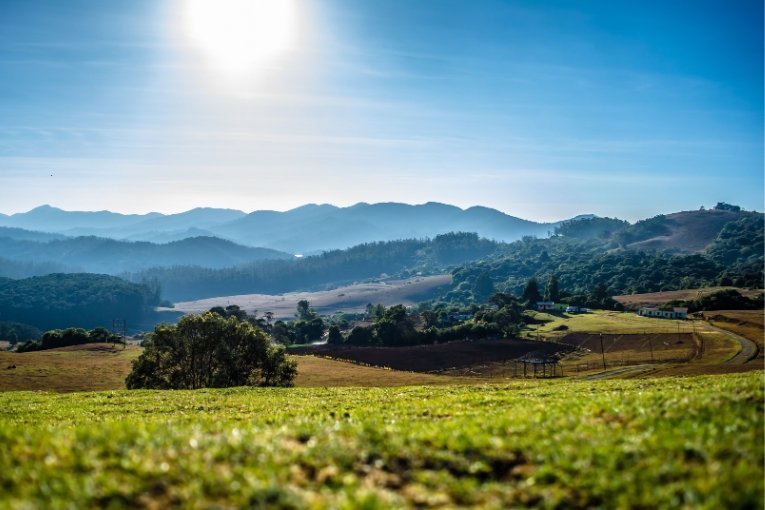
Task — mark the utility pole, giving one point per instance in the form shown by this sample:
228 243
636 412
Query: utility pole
602 351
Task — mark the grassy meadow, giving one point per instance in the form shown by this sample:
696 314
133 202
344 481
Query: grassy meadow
602 321
669 442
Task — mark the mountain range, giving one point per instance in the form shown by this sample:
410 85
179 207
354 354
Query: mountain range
307 229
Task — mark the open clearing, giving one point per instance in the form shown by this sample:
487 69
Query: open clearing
660 298
656 443
351 298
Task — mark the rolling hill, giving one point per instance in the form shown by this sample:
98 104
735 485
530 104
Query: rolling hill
109 256
686 231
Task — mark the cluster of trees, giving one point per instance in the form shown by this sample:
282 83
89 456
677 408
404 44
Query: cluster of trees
396 326
70 336
727 299
589 228
81 299
307 327
210 351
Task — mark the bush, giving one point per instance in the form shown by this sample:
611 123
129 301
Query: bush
210 351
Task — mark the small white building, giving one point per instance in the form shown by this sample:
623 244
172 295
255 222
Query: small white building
545 305
675 313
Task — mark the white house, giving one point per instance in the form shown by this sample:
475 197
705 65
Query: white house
545 305
675 313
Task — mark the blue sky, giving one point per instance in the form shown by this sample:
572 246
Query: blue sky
543 110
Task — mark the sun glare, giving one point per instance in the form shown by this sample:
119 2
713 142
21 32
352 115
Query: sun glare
241 37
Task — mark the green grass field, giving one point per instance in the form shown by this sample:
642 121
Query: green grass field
658 443
602 321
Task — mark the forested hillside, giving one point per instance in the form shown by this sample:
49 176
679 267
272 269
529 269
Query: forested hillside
82 300
332 268
24 258
594 253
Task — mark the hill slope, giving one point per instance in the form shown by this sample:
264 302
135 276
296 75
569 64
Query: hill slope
686 231
100 255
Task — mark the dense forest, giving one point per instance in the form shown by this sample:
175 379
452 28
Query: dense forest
82 300
332 268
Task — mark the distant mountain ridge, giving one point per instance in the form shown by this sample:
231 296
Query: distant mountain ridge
307 229
109 256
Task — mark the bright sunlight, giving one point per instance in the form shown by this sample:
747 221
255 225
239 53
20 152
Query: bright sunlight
241 37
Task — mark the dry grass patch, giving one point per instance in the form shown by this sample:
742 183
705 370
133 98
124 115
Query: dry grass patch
320 372
90 367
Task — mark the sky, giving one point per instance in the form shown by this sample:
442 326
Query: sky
543 110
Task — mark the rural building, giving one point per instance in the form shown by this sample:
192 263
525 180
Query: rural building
545 305
675 313
572 309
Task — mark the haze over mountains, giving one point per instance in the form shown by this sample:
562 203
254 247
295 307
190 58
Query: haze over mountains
308 229
689 249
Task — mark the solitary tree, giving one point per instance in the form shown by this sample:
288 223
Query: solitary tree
210 351
531 292
334 337
552 293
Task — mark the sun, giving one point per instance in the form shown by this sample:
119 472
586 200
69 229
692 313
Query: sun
240 37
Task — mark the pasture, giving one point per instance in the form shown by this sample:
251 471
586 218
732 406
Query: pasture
657 443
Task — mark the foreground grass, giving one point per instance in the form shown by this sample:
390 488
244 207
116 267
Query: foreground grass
694 442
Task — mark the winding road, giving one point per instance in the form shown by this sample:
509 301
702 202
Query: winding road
748 348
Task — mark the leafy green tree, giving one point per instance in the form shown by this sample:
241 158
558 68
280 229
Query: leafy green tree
309 331
334 337
360 336
210 351
483 287
531 292
552 292
103 335
281 333
396 328
304 311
